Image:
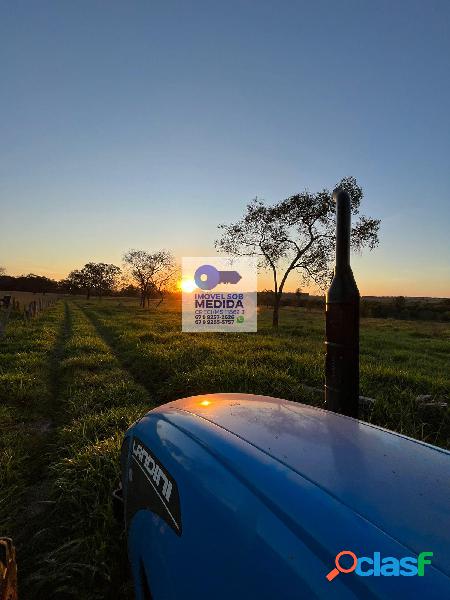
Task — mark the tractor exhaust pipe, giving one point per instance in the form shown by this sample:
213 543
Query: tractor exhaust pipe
342 321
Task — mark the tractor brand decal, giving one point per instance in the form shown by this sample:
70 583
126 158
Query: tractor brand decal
153 470
150 486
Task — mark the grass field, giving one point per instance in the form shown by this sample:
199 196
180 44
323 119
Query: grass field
74 379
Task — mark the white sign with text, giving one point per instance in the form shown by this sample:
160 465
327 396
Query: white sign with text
219 294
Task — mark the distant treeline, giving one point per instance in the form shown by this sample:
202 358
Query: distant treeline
423 309
399 307
146 275
432 309
38 284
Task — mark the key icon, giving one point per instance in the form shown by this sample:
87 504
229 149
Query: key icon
208 277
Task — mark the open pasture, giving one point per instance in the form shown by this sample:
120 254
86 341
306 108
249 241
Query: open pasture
74 379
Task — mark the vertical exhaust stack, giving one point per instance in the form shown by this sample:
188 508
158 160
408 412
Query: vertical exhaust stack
342 321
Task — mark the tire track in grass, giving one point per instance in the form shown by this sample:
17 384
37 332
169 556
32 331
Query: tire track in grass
65 334
83 551
158 372
108 338
37 509
171 366
31 401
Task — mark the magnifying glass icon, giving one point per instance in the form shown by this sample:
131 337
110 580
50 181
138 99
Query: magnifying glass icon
339 568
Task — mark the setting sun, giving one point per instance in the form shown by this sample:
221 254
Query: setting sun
188 285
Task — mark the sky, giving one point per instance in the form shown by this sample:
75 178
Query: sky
146 124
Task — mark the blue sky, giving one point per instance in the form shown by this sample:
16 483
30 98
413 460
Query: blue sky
145 124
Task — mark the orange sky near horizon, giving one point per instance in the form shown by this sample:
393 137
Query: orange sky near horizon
371 279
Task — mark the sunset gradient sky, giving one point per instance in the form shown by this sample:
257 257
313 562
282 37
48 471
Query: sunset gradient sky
146 124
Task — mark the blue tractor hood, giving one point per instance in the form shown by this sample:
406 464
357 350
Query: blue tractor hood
332 483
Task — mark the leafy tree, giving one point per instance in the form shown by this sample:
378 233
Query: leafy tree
93 278
151 272
297 234
75 283
104 277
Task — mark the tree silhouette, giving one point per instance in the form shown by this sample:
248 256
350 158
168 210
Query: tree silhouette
152 272
297 234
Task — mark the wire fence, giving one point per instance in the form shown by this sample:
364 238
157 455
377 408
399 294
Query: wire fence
11 306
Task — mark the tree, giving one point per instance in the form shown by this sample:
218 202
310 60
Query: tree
152 273
2 271
105 277
296 234
75 283
97 278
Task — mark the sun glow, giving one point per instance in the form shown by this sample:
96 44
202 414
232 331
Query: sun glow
188 285
205 403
